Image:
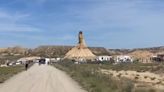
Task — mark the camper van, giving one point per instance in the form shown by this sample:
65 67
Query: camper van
44 61
124 59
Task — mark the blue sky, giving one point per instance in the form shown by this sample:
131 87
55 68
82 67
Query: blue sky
105 23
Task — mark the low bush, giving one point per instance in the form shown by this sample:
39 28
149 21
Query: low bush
145 77
153 78
136 77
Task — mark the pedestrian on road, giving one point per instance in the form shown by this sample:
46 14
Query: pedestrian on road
26 66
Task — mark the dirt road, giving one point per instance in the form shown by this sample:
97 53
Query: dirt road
41 79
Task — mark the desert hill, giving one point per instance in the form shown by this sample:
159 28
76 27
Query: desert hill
60 51
153 50
57 51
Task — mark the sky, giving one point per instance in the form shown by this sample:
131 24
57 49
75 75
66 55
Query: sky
105 23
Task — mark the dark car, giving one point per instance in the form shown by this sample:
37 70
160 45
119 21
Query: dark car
42 61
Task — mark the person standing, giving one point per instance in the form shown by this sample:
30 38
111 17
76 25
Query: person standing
26 66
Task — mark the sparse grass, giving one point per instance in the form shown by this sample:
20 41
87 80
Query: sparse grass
139 67
92 80
7 72
119 75
145 90
159 82
111 74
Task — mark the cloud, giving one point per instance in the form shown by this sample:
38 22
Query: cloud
17 28
11 22
120 16
138 22
12 16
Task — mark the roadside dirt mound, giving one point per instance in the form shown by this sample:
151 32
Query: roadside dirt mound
141 54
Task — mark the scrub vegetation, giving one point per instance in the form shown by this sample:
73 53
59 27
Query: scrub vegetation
7 72
92 80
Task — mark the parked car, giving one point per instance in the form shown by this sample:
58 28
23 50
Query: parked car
42 61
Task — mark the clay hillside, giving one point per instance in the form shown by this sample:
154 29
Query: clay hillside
13 50
2 49
48 50
58 51
153 50
62 50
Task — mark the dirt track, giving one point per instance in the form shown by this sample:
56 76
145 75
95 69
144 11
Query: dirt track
41 79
